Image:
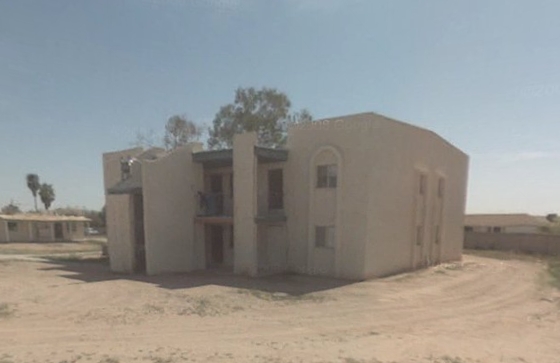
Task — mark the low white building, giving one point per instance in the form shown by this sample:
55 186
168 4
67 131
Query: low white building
505 223
41 227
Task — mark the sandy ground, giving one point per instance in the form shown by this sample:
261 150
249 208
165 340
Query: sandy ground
481 310
41 248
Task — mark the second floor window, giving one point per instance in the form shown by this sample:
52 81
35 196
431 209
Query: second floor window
327 176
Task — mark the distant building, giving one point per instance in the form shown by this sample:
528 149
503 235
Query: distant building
41 227
350 197
505 223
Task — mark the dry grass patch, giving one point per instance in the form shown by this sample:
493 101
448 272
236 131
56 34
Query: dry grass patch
48 248
6 310
280 296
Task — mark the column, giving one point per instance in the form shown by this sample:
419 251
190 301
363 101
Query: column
245 204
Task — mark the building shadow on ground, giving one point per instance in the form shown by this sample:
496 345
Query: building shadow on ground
97 270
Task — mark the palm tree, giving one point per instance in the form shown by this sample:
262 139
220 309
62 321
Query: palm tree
46 192
34 185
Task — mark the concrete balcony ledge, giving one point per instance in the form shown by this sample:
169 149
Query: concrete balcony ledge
271 218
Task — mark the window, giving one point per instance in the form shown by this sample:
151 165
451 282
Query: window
422 184
275 189
126 167
324 236
469 229
441 188
419 235
12 226
497 229
327 176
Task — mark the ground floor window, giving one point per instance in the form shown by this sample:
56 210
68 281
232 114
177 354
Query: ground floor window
12 226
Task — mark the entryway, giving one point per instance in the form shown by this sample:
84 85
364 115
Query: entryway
139 239
58 231
214 246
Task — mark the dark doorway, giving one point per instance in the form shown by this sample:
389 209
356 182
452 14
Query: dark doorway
275 189
216 246
58 231
139 239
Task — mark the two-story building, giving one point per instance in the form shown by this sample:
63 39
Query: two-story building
351 197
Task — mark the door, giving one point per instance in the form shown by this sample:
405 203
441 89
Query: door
275 189
139 239
217 197
58 231
217 245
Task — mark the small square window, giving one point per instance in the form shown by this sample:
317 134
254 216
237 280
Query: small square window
325 236
12 226
497 229
469 229
327 176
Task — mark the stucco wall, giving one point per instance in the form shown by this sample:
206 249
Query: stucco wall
170 185
375 199
522 229
76 233
398 153
545 244
305 203
22 234
509 229
118 213
245 204
43 231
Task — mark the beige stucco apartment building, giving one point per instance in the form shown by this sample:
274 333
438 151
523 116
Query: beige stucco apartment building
41 227
351 197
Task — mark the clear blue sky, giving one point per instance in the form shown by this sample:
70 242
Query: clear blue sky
78 78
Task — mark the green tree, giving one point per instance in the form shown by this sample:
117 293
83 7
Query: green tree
11 208
265 111
179 131
46 192
33 184
145 139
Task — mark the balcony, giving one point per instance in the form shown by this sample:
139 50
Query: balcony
216 208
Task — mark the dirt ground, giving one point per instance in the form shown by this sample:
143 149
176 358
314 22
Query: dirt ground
480 310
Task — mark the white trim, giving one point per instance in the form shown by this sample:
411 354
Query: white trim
310 224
